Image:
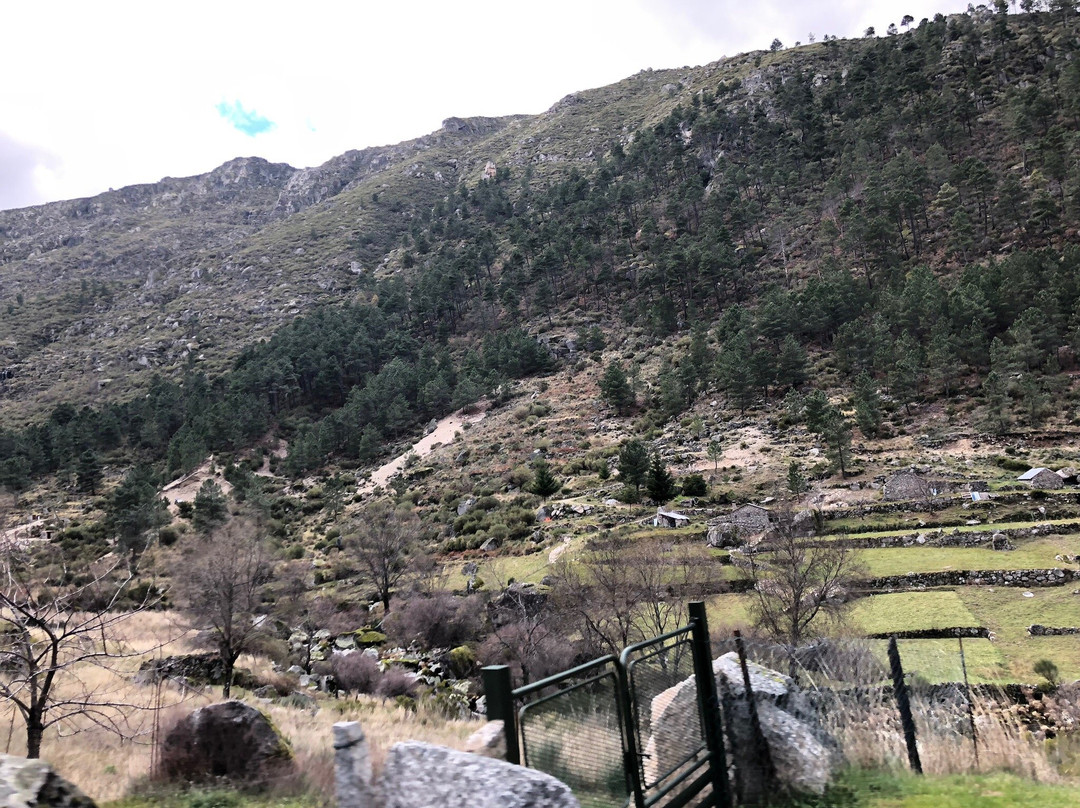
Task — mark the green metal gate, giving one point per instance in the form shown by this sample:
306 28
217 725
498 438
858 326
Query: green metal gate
642 729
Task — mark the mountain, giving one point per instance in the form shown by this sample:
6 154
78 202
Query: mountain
842 201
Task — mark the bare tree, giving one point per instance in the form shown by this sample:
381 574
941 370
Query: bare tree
799 585
527 633
623 592
382 539
222 583
58 620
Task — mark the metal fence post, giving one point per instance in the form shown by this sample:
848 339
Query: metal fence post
710 704
499 695
904 706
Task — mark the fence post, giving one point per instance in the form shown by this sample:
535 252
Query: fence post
499 695
904 706
761 747
710 704
970 704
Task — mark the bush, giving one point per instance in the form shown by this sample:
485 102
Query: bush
462 661
694 485
396 683
439 621
356 673
168 536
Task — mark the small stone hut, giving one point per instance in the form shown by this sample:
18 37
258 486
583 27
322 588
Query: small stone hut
750 519
1042 478
904 485
670 519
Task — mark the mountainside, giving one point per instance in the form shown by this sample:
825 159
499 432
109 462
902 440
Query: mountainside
825 213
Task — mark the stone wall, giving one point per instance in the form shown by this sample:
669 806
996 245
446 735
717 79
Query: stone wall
926 580
1052 631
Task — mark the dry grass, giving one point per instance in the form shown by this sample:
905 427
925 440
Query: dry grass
106 766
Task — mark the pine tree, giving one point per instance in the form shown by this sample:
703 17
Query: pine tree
543 483
660 484
633 464
615 389
88 472
211 507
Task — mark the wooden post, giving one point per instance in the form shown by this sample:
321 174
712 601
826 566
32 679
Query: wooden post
903 704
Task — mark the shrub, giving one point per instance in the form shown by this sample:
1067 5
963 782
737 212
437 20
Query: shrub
439 621
168 536
396 683
462 661
1047 670
356 673
694 485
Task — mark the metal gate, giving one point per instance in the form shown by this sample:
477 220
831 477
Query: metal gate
642 729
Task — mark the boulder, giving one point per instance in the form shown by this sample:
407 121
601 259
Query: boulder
420 775
489 741
803 754
228 740
31 783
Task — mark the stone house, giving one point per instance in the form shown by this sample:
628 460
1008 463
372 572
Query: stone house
750 519
1042 478
670 519
905 485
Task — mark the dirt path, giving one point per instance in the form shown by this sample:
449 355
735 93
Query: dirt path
443 434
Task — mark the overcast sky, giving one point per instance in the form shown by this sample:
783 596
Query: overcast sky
106 94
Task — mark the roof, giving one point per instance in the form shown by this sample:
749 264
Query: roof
750 505
672 514
1031 474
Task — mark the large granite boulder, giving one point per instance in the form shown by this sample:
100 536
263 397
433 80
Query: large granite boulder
31 783
227 740
420 775
803 755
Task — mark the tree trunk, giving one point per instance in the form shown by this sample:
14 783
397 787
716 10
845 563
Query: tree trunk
226 688
34 731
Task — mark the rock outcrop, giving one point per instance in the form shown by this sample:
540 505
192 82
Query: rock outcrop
31 783
227 740
803 756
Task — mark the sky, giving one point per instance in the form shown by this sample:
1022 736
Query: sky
112 93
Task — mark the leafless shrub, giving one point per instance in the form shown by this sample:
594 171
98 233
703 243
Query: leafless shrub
396 682
356 673
439 621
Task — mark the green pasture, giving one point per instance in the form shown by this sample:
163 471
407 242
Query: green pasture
1031 554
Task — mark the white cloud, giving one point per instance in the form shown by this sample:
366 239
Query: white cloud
125 92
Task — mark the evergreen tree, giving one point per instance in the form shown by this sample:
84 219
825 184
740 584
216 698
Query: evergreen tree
867 405
543 483
659 482
796 480
615 389
211 507
633 465
791 364
88 472
135 510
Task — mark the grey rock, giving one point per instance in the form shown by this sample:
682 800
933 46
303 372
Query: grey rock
466 506
352 766
420 775
489 741
230 740
763 681
31 783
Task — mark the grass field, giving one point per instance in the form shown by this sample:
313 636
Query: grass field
1007 613
1033 554
874 789
910 611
